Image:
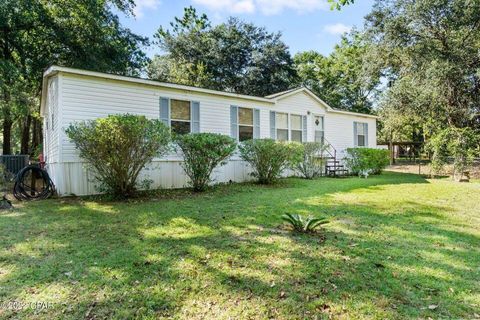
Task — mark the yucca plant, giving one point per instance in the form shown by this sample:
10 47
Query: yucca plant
303 224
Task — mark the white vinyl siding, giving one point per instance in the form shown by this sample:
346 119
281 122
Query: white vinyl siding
88 98
84 97
51 134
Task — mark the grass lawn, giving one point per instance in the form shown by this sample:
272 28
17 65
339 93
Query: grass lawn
398 246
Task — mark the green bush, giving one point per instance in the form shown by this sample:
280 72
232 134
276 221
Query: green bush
269 158
366 160
118 147
311 163
202 152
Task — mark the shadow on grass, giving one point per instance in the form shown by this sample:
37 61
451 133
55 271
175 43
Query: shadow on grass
194 257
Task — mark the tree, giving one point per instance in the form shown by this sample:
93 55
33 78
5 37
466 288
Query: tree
234 56
344 79
433 49
461 144
36 34
429 51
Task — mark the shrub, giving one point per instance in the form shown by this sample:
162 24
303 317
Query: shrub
362 160
118 147
303 224
311 163
461 144
202 152
269 158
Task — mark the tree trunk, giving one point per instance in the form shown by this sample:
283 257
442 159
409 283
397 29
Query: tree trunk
25 135
392 153
7 133
36 136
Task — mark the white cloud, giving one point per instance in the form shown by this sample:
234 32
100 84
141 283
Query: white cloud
142 5
267 7
232 6
337 28
271 7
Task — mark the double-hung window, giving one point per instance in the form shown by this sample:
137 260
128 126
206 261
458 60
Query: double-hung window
180 121
281 122
245 124
296 130
288 127
360 132
180 115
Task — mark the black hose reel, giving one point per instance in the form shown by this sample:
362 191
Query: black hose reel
33 183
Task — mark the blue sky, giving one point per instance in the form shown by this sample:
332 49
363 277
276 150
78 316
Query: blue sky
305 24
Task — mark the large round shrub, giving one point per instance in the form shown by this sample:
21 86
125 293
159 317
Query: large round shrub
118 147
202 152
360 160
269 158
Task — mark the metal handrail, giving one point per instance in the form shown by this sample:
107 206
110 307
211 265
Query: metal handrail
333 155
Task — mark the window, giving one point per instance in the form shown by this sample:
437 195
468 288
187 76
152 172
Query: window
245 124
180 116
296 125
361 134
319 129
281 120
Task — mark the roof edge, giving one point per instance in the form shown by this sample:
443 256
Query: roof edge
55 69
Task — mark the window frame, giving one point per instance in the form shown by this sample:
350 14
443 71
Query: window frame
289 127
245 125
364 135
297 130
180 120
279 128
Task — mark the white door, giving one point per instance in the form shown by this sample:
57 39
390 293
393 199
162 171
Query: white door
318 125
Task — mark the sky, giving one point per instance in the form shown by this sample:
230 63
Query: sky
305 24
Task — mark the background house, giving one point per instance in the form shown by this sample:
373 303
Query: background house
71 95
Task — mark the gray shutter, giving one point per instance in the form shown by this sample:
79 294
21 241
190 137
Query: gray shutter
165 111
256 124
195 117
234 122
304 127
273 130
365 130
355 140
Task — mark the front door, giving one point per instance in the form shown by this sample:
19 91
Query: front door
318 124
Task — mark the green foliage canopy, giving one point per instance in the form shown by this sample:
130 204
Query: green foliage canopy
234 56
36 34
345 79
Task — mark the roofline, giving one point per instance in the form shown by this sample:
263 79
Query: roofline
358 114
53 70
271 99
288 93
285 94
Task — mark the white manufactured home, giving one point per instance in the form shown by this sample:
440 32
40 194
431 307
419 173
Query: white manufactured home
71 95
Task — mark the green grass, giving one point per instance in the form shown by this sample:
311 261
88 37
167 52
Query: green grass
398 246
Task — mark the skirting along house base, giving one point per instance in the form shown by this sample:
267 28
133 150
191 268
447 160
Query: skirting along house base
71 95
